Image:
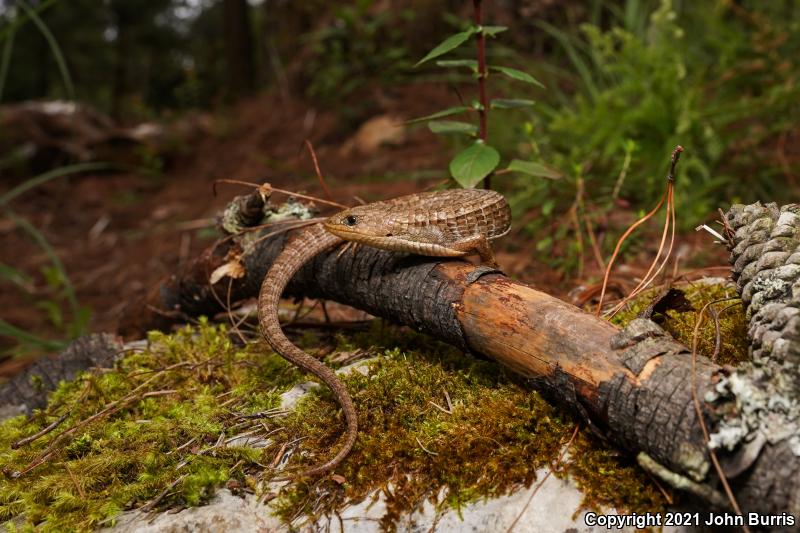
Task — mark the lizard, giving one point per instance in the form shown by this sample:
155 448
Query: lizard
449 223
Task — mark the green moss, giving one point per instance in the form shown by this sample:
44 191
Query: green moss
498 434
128 457
165 445
734 344
609 479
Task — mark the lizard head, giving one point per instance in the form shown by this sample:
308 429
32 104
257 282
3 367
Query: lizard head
358 223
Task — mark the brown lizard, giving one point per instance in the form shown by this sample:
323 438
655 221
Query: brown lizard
449 223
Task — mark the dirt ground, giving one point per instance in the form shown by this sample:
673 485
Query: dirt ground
119 233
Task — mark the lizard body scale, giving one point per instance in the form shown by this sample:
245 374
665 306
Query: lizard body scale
449 223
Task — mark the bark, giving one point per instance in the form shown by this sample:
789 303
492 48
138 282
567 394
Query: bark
635 385
29 389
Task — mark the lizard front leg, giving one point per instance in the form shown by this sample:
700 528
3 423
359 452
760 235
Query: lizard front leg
477 244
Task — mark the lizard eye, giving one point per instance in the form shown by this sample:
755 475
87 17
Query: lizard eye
350 220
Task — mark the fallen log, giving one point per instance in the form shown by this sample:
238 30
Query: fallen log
635 386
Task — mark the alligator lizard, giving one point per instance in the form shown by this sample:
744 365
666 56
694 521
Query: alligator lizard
449 223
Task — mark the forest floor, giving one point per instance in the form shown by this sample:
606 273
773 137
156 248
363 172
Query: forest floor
118 234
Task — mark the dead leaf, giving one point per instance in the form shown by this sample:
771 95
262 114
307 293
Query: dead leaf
233 269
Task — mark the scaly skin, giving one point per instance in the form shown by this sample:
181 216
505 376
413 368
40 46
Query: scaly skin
450 223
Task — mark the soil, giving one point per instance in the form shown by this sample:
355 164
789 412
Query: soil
118 233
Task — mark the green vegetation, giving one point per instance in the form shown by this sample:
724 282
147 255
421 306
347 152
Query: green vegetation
156 401
479 159
359 48
715 77
169 408
59 302
734 345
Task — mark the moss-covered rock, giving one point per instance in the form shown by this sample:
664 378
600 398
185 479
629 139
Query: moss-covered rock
158 430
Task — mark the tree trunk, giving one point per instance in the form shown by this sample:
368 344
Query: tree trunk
238 47
119 88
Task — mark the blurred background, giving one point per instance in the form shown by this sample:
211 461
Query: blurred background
116 116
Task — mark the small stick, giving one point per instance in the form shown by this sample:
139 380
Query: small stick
265 188
182 446
669 222
229 311
269 413
75 482
699 410
483 112
649 277
439 407
447 397
426 450
316 169
598 255
146 508
547 475
279 455
45 431
619 245
242 435
717 335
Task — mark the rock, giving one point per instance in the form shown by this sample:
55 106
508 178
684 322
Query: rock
226 512
549 510
374 133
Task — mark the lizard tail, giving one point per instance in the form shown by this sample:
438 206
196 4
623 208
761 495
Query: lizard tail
298 252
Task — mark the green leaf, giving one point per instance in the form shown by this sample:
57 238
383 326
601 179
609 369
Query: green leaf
47 176
451 43
544 245
54 48
491 31
469 167
5 60
53 312
80 322
16 277
452 126
440 114
469 63
37 236
53 277
533 169
517 75
510 103
22 336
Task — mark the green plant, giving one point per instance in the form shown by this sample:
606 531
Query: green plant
358 46
722 109
33 14
479 160
61 304
715 77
